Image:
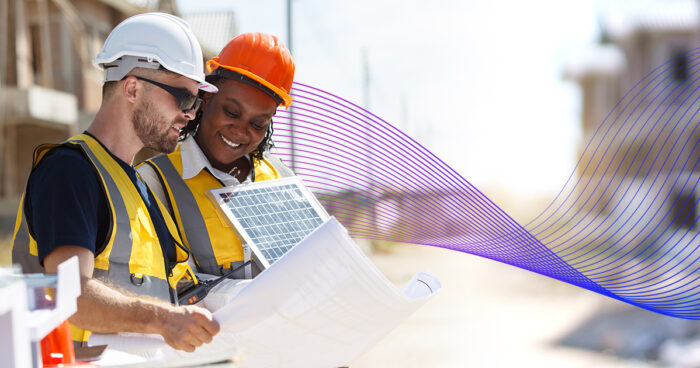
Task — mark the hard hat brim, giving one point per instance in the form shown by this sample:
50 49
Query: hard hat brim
207 87
99 62
284 95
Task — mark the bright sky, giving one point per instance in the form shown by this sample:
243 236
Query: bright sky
481 81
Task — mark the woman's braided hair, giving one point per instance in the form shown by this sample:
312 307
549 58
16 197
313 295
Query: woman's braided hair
265 145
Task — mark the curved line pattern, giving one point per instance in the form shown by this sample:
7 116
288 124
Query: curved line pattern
624 224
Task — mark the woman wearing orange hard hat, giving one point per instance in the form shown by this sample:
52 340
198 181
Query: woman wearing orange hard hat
226 144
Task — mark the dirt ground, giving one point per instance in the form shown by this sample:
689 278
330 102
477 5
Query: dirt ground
488 314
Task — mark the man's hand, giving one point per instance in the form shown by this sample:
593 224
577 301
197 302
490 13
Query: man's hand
186 327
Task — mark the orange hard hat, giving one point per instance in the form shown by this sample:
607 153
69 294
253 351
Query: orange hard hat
258 59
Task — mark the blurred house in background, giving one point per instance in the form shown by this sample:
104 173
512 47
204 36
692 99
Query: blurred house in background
639 40
49 89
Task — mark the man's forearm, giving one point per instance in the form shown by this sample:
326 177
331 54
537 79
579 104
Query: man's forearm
103 309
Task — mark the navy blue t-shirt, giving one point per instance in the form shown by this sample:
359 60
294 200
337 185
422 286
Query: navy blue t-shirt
66 205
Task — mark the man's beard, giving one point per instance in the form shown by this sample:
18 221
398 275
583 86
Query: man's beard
153 130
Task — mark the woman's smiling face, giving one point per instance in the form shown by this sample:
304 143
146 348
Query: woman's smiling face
234 122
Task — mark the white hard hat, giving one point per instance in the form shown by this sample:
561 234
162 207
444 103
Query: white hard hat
152 40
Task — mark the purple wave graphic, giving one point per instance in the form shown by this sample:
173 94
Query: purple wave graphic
624 225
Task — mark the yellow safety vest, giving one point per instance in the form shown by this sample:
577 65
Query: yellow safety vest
205 232
132 259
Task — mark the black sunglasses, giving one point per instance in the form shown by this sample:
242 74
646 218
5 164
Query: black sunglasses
187 100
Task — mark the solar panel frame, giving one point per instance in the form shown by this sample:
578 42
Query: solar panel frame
244 227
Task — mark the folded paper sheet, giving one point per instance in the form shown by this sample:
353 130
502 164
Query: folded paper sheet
321 305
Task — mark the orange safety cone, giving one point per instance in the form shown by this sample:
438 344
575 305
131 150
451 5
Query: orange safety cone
57 347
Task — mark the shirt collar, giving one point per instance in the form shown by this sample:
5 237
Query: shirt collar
194 161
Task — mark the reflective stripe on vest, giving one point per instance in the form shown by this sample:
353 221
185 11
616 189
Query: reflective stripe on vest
204 230
132 259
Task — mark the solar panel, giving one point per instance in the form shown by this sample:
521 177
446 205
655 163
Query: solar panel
270 216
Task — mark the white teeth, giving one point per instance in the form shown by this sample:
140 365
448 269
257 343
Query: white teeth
231 144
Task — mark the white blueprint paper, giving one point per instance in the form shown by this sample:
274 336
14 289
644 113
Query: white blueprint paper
321 305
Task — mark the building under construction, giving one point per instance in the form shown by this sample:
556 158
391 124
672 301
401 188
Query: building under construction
49 89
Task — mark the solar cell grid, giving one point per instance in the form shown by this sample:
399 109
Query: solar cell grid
271 216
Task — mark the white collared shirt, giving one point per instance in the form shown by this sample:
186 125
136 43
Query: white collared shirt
194 161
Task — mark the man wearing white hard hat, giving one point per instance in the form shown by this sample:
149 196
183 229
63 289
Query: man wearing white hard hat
84 198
